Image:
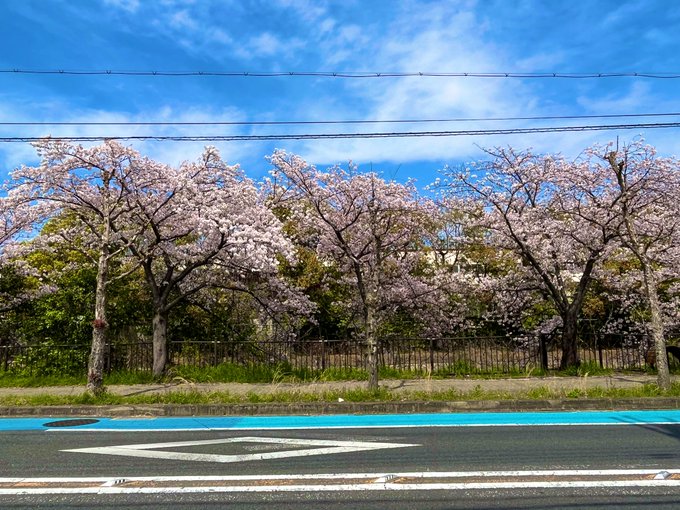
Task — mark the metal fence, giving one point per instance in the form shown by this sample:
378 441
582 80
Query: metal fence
436 356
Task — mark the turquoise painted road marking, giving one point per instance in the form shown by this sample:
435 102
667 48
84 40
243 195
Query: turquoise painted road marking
353 421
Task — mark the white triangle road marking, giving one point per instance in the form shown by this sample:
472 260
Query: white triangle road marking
321 447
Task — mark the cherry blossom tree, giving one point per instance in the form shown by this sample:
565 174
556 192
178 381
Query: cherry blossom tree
188 228
14 219
553 216
89 184
649 187
372 230
202 225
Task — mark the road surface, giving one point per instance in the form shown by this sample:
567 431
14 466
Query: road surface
529 460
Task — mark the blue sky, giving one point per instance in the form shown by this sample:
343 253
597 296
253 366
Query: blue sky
522 36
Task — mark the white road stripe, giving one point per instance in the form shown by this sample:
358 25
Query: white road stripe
413 481
344 427
586 473
325 447
211 457
347 487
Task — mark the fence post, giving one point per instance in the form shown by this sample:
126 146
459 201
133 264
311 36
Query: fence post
598 346
431 356
323 353
543 347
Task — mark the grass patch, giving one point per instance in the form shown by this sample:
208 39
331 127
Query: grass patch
280 373
284 373
463 369
183 397
229 372
541 393
352 395
398 373
585 369
9 380
453 395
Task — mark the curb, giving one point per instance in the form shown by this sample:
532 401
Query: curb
325 408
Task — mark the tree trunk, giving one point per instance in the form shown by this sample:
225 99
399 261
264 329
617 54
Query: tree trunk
371 338
570 356
656 327
652 297
160 339
372 353
95 368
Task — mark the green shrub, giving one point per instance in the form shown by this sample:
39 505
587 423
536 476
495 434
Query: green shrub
46 360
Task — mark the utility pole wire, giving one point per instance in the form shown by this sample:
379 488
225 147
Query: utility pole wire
339 74
326 136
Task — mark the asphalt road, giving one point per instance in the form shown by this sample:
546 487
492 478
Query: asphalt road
431 500
503 467
41 454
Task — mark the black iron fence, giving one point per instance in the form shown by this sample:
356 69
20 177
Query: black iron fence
436 356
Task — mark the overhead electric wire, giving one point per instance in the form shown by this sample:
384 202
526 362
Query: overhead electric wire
326 136
340 74
330 122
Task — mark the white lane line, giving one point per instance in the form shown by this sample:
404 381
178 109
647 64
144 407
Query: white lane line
355 476
336 476
348 487
85 428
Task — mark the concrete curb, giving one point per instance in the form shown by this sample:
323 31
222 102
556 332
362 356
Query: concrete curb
325 408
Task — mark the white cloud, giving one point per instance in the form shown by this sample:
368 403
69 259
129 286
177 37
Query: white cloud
219 36
435 36
424 40
326 25
309 11
126 5
637 96
265 45
442 39
624 12
13 155
183 20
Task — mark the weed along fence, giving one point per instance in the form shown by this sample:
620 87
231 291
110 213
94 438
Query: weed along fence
503 355
308 358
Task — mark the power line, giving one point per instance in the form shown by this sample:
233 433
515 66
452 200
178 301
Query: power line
327 136
333 122
339 74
